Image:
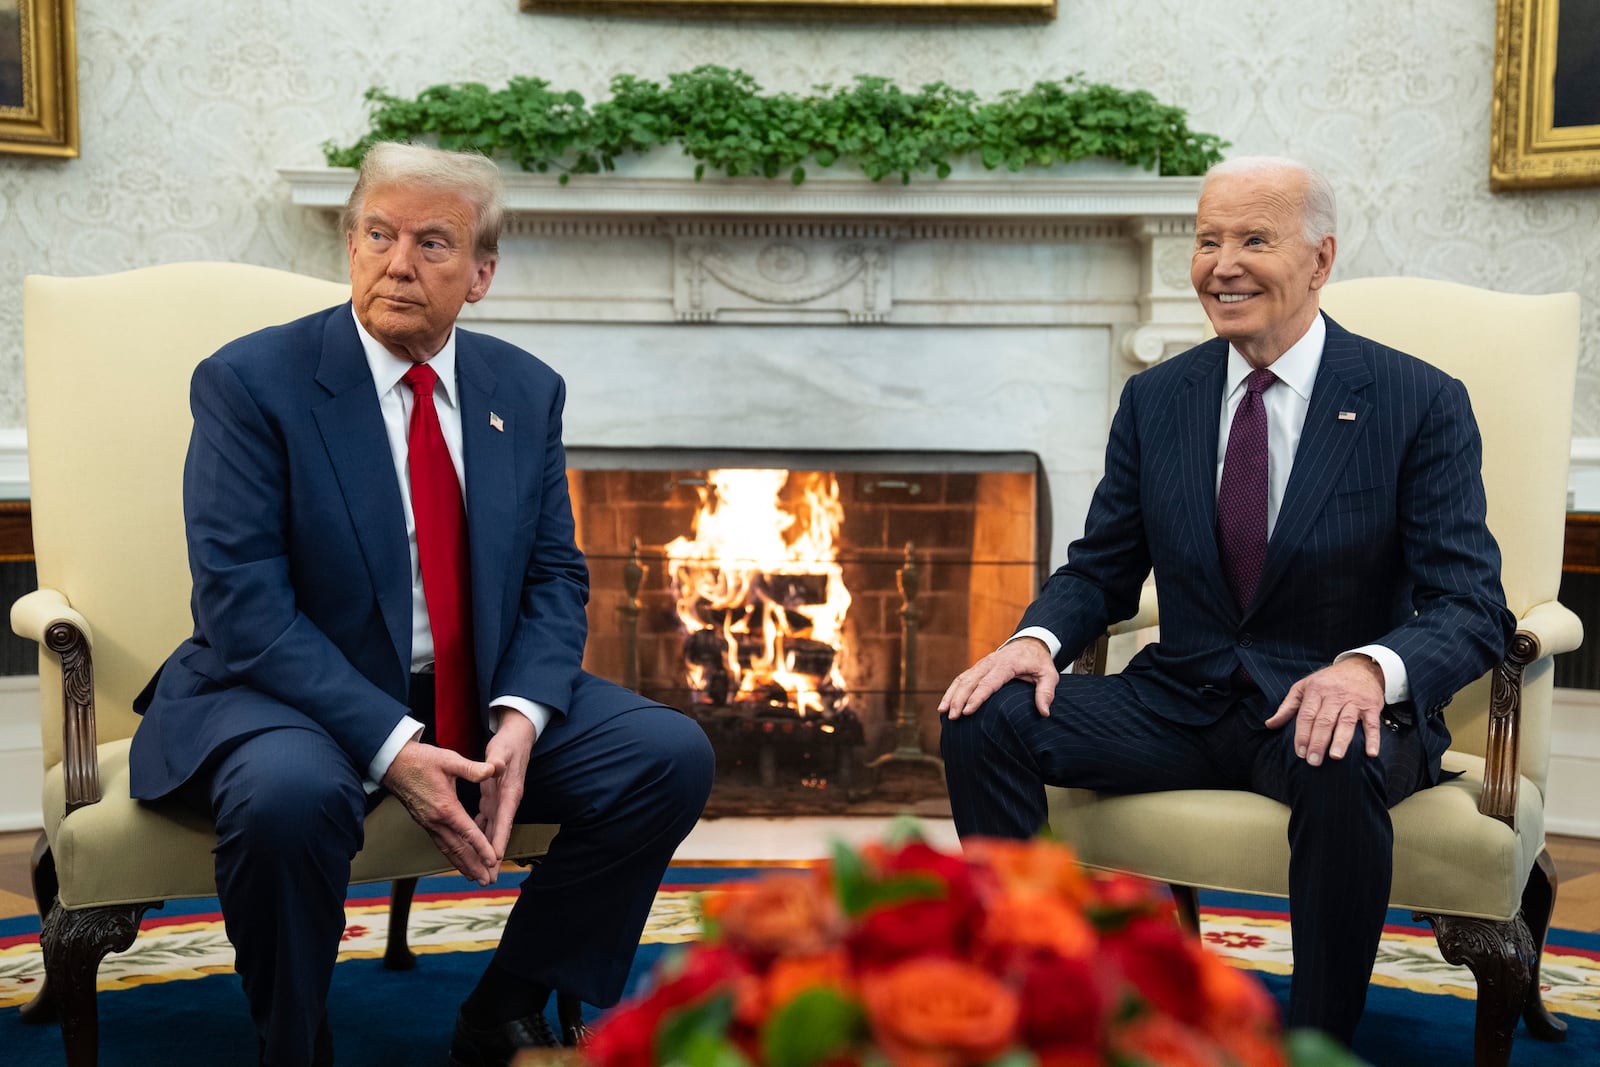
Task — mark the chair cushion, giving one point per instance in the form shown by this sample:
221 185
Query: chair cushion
123 851
1448 857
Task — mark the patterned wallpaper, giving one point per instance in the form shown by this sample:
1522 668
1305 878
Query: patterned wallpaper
188 109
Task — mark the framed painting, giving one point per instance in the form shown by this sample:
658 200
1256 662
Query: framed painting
854 10
1544 128
38 78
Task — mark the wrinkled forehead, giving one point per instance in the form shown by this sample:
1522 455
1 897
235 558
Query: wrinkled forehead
439 205
1248 201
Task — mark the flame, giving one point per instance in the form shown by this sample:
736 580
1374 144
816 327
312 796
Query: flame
760 591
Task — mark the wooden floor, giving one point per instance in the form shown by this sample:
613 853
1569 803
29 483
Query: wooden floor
1577 871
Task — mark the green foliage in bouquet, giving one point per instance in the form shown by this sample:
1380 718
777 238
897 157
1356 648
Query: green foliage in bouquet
722 119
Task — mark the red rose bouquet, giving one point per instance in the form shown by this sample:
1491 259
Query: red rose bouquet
1008 954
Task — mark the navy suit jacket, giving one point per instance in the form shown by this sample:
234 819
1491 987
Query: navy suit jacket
297 548
1380 539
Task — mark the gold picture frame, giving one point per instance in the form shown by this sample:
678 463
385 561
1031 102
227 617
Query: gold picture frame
852 10
38 78
1544 127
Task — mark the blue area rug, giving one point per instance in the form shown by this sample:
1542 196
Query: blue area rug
173 1000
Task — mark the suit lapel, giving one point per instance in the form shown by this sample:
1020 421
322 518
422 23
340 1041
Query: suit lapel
1326 443
1198 415
353 433
487 441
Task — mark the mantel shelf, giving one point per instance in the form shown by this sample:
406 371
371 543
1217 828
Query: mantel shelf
1034 196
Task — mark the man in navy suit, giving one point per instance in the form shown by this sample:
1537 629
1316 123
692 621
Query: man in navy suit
307 690
1307 655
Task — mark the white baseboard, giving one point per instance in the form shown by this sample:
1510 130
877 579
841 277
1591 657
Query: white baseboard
21 755
1573 803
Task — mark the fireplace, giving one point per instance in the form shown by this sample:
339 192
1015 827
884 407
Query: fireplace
807 609
887 336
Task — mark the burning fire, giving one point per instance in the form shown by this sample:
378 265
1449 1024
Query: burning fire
761 594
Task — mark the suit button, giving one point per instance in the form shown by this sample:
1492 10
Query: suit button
1246 639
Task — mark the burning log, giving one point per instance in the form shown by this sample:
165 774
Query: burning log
801 655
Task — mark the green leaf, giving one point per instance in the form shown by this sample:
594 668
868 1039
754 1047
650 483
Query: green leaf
695 1035
812 1028
857 890
1313 1048
904 830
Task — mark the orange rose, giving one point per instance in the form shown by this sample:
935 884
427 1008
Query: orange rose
1234 1000
781 914
940 1013
1028 922
1032 866
1240 1013
1164 1040
788 977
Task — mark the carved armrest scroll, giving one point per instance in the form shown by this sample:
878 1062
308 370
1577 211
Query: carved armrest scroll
1544 630
45 616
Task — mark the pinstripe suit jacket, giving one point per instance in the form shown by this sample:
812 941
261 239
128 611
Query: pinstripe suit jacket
1380 538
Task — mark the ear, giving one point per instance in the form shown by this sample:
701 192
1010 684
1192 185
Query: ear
481 278
1324 261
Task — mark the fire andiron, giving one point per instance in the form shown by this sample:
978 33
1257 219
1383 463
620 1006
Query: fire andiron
908 752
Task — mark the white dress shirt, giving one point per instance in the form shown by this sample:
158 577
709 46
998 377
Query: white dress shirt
1286 404
395 401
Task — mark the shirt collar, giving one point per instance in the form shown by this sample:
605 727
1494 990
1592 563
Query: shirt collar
388 368
1296 368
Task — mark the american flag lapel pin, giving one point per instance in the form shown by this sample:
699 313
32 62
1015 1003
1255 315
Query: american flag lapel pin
1347 416
500 424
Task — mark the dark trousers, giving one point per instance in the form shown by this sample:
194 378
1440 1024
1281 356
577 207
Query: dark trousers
1100 736
289 806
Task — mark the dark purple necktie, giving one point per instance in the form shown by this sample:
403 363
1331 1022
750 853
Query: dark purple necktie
1242 496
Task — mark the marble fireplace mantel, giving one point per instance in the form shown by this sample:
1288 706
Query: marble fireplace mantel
986 312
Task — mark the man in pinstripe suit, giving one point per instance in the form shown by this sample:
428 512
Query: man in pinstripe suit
1309 660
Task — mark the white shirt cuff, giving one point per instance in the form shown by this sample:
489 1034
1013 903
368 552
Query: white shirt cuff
537 713
1051 641
1396 686
407 729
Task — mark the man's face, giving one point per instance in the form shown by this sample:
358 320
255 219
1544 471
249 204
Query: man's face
1254 272
412 267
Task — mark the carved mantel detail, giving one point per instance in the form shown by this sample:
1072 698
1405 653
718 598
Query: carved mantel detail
848 279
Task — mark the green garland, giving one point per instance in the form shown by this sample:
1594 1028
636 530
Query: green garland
723 119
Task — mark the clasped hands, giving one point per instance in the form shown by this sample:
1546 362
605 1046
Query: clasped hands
424 778
1327 706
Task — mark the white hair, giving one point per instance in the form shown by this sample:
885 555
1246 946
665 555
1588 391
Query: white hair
467 174
1317 211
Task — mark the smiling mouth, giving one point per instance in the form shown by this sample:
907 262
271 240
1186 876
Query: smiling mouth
1234 298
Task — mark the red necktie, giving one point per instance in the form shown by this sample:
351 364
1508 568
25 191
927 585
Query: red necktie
1242 495
442 551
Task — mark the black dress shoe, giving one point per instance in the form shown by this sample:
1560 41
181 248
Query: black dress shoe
493 1046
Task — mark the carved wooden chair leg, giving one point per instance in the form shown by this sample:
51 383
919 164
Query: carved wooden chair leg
569 1010
397 954
1500 956
1538 904
43 1008
74 943
1187 898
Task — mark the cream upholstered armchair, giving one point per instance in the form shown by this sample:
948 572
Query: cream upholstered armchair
108 365
1469 855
